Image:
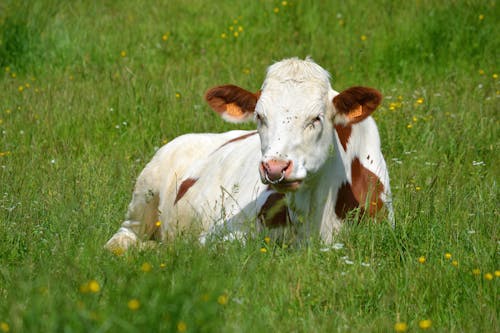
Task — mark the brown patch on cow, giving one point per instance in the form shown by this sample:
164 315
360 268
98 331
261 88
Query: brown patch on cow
231 99
366 187
185 186
274 212
344 133
242 137
357 103
346 201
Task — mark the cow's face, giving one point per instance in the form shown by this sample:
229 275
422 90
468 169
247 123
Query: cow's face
295 121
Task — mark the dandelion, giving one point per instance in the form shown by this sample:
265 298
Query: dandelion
158 223
181 326
13 75
222 299
476 271
165 37
163 265
146 267
481 72
497 274
246 71
418 188
276 10
488 276
20 89
134 304
409 126
4 153
425 324
123 54
177 95
263 250
421 259
267 239
4 327
223 35
240 28
284 3
236 34
447 256
363 38
7 69
455 263
481 17
94 286
118 251
420 100
495 76
400 327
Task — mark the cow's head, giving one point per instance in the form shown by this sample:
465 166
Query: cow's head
296 111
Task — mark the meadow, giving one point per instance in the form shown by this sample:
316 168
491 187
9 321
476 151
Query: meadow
89 90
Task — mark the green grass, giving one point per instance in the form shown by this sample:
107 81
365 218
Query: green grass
79 119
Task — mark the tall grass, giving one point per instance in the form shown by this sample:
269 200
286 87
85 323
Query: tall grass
89 90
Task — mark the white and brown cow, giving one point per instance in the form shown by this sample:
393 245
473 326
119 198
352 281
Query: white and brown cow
314 158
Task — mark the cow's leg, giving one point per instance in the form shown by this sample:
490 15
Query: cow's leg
142 215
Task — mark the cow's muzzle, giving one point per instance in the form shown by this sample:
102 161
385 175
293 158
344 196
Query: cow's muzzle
277 173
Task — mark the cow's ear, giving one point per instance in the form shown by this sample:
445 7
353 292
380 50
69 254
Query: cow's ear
355 104
233 103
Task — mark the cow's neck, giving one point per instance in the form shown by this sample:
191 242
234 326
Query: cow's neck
313 205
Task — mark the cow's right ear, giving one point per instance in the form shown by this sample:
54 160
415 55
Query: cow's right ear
233 103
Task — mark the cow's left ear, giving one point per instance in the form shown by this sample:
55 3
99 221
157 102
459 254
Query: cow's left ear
233 103
355 104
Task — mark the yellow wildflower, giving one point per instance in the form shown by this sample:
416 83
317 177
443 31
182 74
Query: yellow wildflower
223 35
181 326
454 263
400 327
420 100
284 3
447 255
481 17
158 223
409 126
236 34
146 267
476 271
94 286
222 299
363 38
425 324
481 72
4 327
20 88
495 76
165 37
488 276
263 250
267 239
123 54
421 259
276 10
134 304
497 274
163 265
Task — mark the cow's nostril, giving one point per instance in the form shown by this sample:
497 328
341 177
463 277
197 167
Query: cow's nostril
274 171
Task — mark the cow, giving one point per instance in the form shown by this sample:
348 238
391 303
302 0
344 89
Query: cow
314 158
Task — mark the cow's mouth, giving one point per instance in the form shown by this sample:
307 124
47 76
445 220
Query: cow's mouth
287 186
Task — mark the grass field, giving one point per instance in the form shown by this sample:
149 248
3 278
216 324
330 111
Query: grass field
89 90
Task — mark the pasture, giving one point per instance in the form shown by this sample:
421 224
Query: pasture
89 90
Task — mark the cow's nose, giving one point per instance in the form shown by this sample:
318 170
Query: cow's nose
275 171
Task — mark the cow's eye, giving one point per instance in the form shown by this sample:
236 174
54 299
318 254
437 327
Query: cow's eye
259 119
314 122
